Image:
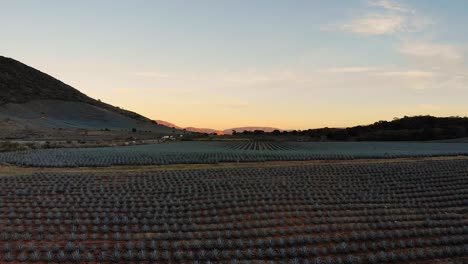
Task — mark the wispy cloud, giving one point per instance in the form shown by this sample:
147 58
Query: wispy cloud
425 49
378 71
356 69
418 76
408 73
375 24
392 6
447 61
222 104
391 17
151 74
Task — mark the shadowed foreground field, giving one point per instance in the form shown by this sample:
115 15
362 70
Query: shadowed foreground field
354 212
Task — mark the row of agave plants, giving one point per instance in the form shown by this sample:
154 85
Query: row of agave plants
337 213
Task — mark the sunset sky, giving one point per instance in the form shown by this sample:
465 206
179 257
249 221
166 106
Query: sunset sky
222 64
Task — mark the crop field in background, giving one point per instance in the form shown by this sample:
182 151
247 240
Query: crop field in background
217 152
405 212
258 145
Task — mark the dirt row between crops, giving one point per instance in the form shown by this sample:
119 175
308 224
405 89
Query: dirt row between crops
6 170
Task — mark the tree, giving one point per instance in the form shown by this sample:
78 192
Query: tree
276 132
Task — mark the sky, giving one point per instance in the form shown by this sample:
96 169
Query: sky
222 64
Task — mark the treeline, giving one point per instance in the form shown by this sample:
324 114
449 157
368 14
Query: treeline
415 128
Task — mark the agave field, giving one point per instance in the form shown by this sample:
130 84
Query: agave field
216 152
398 212
259 145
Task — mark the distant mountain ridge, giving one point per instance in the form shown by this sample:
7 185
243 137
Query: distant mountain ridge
168 124
219 132
191 129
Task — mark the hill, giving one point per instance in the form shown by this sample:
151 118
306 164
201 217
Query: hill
33 100
412 128
415 128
